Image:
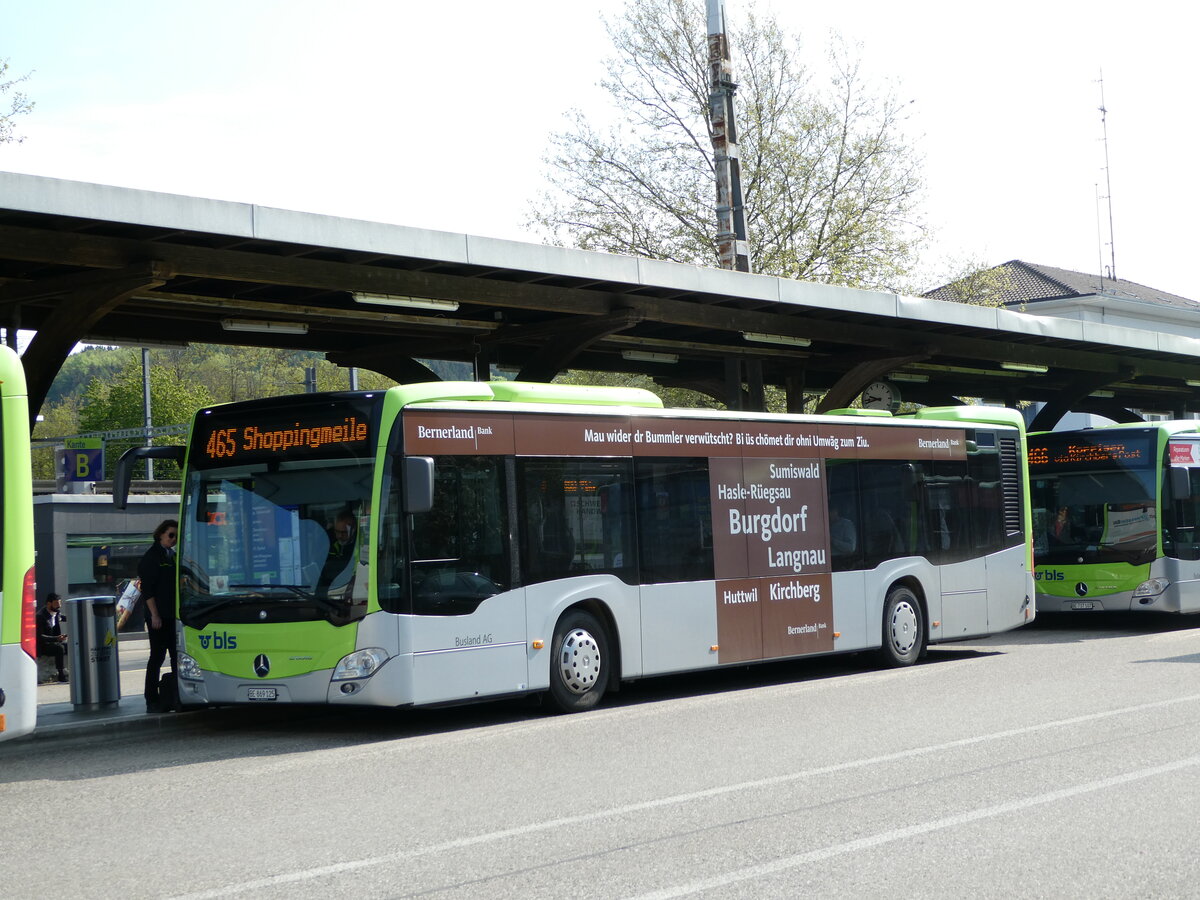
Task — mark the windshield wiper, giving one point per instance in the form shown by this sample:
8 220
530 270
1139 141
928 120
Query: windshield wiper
214 606
298 590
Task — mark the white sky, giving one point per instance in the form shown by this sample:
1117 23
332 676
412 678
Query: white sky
435 114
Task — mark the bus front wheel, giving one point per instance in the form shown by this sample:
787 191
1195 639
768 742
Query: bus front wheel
903 628
579 666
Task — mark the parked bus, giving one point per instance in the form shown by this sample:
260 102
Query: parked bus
1115 517
18 636
441 543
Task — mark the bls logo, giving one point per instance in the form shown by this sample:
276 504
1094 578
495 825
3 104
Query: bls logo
1048 575
222 641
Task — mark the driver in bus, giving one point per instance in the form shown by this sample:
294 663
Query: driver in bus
341 551
1063 530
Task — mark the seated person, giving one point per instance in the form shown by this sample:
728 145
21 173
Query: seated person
51 642
843 539
342 546
1063 530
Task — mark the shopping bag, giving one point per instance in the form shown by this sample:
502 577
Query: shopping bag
127 601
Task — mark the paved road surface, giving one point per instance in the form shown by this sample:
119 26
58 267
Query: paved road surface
1056 761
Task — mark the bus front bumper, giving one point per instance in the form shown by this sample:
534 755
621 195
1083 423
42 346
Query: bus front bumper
312 688
1123 601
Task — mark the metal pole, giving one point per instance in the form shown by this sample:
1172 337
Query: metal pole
149 422
731 218
354 378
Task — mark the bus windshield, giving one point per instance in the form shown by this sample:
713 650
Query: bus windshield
1094 497
281 545
276 513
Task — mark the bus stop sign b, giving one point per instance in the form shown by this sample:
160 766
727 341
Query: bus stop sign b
81 459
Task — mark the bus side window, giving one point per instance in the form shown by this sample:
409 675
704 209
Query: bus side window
1181 540
674 520
576 517
845 516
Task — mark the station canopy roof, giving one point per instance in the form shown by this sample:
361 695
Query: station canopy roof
91 262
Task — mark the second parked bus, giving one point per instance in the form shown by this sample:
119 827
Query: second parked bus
1116 517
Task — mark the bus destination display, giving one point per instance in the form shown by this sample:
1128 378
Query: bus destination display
308 433
1088 454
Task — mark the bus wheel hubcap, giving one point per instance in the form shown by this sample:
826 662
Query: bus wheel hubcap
580 661
904 627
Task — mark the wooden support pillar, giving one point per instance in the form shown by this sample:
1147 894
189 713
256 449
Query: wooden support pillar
733 383
756 400
87 300
794 389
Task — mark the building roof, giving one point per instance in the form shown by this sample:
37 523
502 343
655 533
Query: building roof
1031 283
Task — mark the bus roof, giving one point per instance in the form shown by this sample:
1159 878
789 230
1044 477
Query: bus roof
1168 426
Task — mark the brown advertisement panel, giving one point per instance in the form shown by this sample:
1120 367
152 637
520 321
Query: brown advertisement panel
739 620
447 433
768 517
431 432
797 615
551 435
800 440
771 557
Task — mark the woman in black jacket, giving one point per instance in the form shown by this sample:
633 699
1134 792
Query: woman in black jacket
157 573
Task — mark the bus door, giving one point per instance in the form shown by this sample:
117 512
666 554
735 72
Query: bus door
467 631
1181 521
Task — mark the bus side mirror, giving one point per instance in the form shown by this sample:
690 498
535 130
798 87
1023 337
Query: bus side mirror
124 471
418 484
1181 482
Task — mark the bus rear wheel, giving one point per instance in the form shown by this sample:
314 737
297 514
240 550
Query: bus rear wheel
579 666
903 628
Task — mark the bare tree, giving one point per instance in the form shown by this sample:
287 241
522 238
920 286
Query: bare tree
18 104
972 281
830 182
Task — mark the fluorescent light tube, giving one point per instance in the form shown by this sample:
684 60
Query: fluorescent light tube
647 356
407 302
263 327
785 339
1025 367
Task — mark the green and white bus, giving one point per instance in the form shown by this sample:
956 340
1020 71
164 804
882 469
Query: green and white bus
449 542
1116 517
18 636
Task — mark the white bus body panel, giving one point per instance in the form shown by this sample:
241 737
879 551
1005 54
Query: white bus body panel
964 599
18 677
477 655
851 604
684 617
1011 592
1183 595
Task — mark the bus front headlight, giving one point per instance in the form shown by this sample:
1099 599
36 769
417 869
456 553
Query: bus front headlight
1151 588
189 669
360 664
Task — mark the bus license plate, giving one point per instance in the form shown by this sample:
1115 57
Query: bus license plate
262 694
1086 604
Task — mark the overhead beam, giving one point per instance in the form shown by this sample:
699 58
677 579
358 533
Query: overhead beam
703 312
571 339
862 374
1070 396
76 314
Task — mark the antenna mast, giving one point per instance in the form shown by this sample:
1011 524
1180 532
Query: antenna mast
1112 238
731 217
